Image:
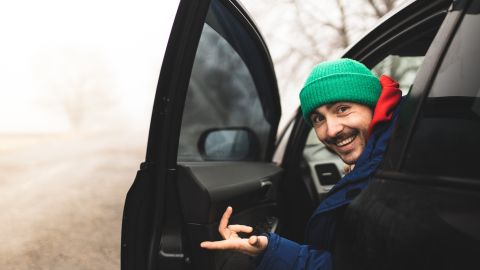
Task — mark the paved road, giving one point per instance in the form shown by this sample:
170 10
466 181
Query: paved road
62 200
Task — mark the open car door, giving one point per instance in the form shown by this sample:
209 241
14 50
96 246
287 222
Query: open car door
210 143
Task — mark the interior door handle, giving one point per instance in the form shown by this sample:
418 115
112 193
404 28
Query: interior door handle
266 183
265 186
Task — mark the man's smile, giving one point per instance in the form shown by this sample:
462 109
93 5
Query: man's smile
342 142
346 141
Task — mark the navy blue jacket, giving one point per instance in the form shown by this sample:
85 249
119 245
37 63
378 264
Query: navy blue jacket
282 253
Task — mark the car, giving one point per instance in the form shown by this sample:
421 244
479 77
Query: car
212 141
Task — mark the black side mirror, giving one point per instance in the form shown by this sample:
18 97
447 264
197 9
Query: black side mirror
228 144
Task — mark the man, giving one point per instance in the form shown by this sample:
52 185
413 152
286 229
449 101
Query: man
351 112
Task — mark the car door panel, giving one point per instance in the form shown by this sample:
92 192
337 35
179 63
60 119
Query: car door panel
394 225
249 187
232 88
217 74
215 186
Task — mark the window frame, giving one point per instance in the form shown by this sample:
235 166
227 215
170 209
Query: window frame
411 106
392 167
459 179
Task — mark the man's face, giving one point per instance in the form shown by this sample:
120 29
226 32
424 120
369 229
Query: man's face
343 127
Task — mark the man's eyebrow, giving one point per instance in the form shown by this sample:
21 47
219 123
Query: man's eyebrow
330 105
315 114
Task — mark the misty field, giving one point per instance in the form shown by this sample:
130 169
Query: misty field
62 198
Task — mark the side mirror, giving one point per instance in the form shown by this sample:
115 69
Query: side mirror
229 144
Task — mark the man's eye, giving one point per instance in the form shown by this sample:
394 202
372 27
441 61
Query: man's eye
342 109
316 118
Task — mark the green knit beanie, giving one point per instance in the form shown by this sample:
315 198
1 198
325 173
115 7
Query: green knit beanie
339 80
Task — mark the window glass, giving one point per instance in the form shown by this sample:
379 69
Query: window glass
325 167
401 68
221 95
446 140
402 57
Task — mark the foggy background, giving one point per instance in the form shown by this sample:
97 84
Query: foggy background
77 81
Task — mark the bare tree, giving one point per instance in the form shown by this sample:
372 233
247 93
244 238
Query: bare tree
381 7
76 83
343 18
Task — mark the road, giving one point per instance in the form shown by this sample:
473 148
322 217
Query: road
62 199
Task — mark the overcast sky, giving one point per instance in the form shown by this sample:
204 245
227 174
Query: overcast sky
127 37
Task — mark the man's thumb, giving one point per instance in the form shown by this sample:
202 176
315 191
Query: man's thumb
260 242
253 240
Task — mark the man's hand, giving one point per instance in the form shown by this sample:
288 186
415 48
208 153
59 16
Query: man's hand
251 246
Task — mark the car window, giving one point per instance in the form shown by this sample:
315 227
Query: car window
324 166
402 68
446 139
223 97
402 56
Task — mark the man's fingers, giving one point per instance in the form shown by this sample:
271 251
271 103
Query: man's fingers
240 228
251 246
224 244
224 222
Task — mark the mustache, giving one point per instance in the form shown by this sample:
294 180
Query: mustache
341 136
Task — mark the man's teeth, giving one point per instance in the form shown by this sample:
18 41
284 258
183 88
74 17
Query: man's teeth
346 141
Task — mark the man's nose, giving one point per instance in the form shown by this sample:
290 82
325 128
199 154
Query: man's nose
334 127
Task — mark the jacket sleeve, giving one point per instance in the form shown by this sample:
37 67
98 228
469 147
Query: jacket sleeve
283 254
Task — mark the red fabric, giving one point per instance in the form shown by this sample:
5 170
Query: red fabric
389 98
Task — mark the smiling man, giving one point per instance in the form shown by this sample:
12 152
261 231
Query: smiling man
352 112
338 100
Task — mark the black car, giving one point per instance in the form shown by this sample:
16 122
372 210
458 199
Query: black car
213 137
